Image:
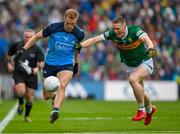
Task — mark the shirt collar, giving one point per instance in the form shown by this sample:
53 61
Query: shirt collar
125 34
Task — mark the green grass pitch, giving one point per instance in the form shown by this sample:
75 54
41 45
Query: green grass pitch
90 116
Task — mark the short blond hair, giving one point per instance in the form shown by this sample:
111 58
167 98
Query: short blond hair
71 14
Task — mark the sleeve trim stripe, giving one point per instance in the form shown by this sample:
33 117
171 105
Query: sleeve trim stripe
103 37
142 34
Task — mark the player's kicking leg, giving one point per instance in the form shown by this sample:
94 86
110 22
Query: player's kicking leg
54 115
55 111
64 77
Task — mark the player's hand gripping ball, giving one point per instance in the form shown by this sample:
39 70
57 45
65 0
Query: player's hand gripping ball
51 83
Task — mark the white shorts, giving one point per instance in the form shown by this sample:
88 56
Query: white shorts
147 64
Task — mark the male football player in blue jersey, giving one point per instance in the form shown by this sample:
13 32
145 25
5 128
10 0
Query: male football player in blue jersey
62 55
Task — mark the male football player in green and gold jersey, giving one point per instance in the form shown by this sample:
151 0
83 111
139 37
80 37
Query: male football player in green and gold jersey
130 40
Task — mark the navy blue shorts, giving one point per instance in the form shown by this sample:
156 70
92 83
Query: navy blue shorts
50 70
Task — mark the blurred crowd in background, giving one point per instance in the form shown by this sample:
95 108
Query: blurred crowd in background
159 18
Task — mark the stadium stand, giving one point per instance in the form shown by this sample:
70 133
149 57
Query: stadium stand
160 19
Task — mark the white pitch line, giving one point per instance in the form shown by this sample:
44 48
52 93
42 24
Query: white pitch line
95 118
88 118
8 118
130 132
73 118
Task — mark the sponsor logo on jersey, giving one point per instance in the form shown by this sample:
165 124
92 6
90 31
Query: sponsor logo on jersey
63 46
128 46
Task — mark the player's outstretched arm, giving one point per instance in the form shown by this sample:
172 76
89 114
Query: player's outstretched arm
89 42
145 38
33 40
151 49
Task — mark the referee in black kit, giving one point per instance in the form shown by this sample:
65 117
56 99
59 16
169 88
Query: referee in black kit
25 69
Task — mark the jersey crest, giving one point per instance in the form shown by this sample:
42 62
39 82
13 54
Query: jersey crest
130 40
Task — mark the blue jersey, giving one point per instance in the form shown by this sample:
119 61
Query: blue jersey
61 44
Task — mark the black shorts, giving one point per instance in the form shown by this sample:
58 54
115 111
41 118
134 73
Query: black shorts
29 80
50 70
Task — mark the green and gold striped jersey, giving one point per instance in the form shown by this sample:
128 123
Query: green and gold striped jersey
132 50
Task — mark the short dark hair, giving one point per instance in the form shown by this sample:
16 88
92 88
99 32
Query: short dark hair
119 19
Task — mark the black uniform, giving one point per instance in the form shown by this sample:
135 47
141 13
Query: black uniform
32 56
